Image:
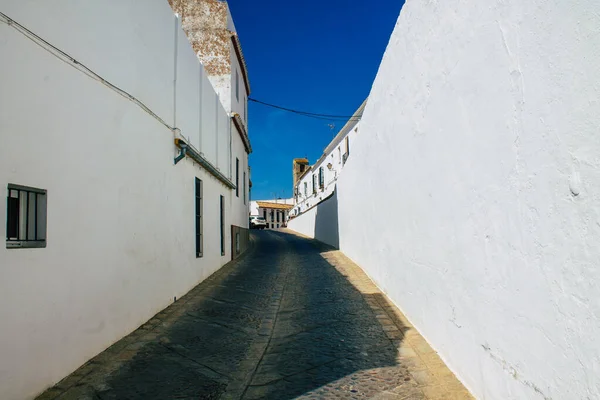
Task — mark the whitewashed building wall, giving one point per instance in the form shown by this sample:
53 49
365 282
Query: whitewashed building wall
120 215
478 174
312 189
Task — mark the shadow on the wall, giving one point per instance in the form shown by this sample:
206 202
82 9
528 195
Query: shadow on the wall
327 228
278 323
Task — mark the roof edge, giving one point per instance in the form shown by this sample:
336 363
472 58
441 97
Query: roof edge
237 46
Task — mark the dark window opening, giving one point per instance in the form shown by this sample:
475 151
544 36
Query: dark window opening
321 178
244 187
198 204
222 215
278 217
25 217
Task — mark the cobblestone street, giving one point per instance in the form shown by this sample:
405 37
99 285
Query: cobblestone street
291 319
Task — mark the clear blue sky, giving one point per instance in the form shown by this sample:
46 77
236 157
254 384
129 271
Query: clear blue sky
314 55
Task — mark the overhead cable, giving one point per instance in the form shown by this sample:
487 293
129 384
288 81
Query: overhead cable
306 113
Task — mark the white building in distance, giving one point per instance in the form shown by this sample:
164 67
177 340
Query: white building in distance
275 212
316 183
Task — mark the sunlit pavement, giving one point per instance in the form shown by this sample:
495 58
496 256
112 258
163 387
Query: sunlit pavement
291 319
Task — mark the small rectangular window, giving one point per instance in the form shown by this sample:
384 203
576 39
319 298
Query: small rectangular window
314 183
222 216
237 177
305 189
244 187
321 178
277 216
198 204
265 214
25 217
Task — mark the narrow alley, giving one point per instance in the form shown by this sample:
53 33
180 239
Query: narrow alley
292 318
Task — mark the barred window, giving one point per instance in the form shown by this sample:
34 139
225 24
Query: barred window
26 217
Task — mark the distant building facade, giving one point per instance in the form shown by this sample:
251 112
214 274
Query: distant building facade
316 183
275 212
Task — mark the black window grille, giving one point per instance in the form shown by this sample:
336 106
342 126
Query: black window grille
199 227
321 178
25 217
222 214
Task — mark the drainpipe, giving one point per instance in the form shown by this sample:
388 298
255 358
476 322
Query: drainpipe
181 155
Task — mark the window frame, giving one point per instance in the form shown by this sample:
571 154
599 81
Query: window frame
222 221
14 223
321 178
244 188
199 218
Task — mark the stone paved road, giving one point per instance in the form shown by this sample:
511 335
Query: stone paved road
291 319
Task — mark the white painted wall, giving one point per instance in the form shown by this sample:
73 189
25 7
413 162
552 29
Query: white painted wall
482 134
319 222
239 104
120 214
241 204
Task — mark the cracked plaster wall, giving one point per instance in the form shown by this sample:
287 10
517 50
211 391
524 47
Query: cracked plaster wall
488 114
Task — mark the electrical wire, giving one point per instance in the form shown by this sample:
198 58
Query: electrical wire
308 114
65 57
71 61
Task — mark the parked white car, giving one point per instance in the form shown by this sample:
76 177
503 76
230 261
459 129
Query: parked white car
257 222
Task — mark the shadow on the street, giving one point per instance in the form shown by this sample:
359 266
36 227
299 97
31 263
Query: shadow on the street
326 221
223 337
326 330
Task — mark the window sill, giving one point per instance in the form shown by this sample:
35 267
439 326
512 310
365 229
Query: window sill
26 244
